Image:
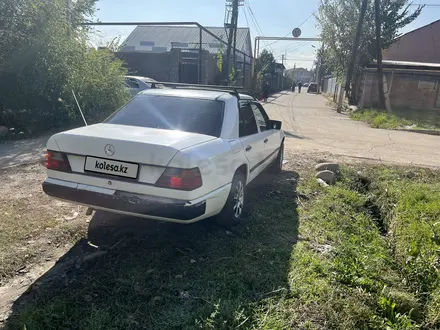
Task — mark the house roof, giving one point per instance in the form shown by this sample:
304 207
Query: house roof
418 29
161 39
406 64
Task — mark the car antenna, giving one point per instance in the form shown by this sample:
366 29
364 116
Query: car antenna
79 108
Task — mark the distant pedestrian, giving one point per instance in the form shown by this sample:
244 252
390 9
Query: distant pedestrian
265 91
300 84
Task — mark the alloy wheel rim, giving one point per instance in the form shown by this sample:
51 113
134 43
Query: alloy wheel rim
238 199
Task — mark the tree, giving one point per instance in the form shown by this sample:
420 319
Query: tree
44 56
355 48
322 61
266 62
338 20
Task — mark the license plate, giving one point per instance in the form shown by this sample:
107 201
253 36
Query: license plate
111 167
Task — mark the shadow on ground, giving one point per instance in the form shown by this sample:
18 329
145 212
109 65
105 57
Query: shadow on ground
152 275
291 135
274 97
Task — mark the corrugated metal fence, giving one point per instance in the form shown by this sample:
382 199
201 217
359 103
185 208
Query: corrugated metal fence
331 86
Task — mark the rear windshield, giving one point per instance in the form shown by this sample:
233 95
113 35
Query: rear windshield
174 113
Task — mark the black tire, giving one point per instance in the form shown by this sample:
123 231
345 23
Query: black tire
277 165
234 210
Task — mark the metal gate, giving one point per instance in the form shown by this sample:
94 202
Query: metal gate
189 66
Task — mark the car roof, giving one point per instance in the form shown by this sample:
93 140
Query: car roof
191 93
141 78
246 97
194 93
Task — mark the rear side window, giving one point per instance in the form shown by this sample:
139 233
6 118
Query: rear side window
132 83
247 124
173 113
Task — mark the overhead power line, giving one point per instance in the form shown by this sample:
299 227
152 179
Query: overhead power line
255 22
425 4
296 47
247 20
288 33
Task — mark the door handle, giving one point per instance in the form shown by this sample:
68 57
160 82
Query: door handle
248 148
266 140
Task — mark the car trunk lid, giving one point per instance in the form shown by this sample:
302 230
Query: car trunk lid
128 143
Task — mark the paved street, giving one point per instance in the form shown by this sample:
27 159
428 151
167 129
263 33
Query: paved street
311 125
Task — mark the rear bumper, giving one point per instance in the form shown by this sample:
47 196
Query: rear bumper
129 203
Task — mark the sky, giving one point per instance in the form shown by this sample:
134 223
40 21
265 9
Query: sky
274 18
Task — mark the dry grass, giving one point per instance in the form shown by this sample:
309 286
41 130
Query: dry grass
31 221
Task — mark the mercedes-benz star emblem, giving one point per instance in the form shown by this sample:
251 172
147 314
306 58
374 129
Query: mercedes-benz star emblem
109 149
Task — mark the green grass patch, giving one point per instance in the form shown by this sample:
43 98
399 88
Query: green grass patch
396 120
362 254
411 202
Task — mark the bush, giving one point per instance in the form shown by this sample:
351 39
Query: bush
44 59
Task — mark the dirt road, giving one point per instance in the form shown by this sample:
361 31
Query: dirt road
22 151
311 125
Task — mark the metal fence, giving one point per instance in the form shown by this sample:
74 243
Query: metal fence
201 60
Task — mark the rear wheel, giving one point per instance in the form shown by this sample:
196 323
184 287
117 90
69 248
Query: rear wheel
234 208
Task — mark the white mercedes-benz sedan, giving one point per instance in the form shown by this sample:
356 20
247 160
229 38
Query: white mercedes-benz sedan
178 155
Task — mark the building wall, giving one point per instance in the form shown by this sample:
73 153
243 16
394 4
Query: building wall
417 90
152 65
167 66
421 45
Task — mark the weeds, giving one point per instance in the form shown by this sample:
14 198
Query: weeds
379 119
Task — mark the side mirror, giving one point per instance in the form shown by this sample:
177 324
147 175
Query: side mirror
274 124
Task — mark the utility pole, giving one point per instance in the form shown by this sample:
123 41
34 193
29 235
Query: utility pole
355 47
379 54
282 73
235 24
232 37
318 70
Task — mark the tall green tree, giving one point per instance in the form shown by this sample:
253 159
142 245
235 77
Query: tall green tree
44 55
338 20
266 62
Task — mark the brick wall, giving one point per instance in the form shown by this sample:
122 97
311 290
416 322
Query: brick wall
404 89
405 92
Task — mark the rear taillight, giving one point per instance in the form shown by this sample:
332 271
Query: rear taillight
57 161
180 179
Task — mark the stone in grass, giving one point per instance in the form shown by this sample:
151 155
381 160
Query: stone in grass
334 167
322 183
327 176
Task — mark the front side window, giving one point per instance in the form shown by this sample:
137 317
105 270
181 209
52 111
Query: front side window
247 124
173 113
261 116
